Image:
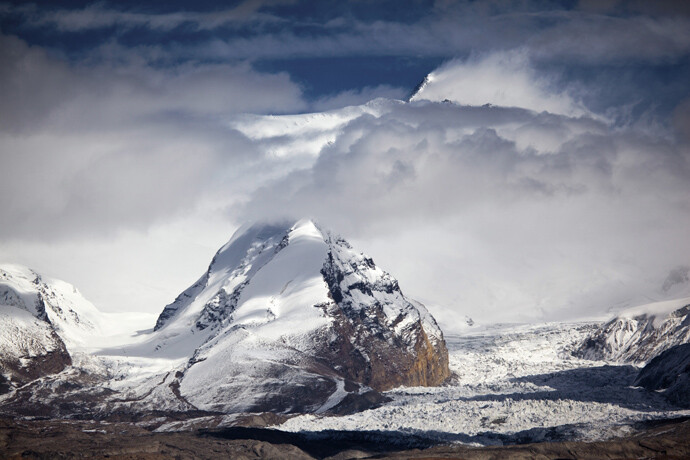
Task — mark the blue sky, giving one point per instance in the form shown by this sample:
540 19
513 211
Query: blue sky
544 170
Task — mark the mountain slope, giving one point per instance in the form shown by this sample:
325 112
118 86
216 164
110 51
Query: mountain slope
638 334
291 318
41 318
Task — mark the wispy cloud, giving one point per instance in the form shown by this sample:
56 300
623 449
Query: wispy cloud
100 15
504 79
449 29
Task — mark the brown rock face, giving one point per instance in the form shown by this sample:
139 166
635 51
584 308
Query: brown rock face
32 365
370 347
372 360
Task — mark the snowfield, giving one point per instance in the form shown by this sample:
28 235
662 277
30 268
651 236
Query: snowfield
512 384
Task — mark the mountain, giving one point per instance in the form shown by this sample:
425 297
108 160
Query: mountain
669 372
290 318
417 91
40 319
638 334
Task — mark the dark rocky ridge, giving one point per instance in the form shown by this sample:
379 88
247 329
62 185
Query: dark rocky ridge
25 369
392 360
670 372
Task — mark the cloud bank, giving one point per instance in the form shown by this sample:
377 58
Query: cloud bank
500 212
552 184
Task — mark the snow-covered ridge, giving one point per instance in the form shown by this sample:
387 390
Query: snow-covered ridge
40 319
640 333
419 89
55 302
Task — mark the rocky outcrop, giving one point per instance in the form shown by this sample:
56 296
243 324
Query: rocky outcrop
370 348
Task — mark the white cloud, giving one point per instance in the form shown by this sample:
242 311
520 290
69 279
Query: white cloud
504 79
470 216
357 97
97 149
103 167
37 88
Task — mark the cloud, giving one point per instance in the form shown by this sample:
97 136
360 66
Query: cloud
98 16
530 208
619 31
357 96
599 38
37 88
93 150
505 79
475 217
550 35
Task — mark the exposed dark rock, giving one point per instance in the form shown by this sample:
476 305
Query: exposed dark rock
355 402
5 386
170 311
366 347
670 372
43 439
24 369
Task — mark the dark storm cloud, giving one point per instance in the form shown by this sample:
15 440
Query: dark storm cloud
630 53
620 31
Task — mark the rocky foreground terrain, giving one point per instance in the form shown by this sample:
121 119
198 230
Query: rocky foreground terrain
668 439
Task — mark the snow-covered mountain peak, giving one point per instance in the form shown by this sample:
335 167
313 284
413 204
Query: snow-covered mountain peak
638 334
216 294
288 317
658 312
56 302
18 288
295 303
41 320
